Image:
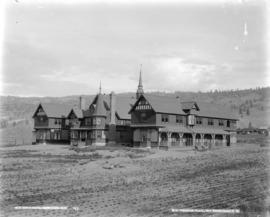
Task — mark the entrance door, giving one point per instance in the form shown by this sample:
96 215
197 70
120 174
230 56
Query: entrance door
228 140
143 138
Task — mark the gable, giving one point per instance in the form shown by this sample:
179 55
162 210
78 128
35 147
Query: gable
141 104
39 111
187 106
72 115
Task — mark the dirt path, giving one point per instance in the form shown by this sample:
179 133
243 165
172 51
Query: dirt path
144 186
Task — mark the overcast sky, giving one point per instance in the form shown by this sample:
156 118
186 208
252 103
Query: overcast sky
65 49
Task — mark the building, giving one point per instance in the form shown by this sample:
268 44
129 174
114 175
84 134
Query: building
50 123
106 121
166 121
253 131
145 121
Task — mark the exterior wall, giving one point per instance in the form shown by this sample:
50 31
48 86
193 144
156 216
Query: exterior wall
55 122
92 122
52 135
150 117
123 122
49 122
172 120
145 137
233 138
123 135
216 123
41 121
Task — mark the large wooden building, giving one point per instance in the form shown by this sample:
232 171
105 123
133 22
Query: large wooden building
166 121
105 121
143 120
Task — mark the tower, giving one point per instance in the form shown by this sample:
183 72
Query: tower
140 86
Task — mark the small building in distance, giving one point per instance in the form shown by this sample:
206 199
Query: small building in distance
253 131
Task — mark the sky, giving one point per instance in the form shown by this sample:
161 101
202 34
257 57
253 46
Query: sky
60 48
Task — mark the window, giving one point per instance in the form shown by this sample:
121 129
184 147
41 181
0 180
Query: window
198 120
93 135
88 121
164 118
74 134
57 121
99 134
220 122
98 121
228 123
179 119
210 121
191 120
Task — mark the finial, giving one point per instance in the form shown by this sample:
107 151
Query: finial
140 78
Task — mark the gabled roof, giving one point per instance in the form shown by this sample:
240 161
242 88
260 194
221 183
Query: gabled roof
189 105
54 110
172 105
215 111
123 105
78 112
163 104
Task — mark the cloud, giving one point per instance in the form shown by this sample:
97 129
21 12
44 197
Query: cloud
177 73
63 50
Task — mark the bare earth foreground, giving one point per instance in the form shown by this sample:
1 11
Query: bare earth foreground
133 182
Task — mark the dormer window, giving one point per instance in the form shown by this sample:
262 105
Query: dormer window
191 120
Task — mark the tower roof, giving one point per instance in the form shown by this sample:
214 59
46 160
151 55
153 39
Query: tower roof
140 78
100 109
140 86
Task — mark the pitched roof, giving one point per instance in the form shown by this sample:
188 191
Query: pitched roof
172 105
215 111
100 109
189 105
208 130
164 104
123 105
55 110
78 112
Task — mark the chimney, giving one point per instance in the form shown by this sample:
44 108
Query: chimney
82 103
112 107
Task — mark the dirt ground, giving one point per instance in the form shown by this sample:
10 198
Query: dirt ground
133 182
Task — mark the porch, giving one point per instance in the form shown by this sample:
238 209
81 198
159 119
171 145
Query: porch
195 138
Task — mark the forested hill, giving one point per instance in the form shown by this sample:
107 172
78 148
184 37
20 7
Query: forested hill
251 105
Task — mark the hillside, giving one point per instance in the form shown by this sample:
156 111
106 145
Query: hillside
251 105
